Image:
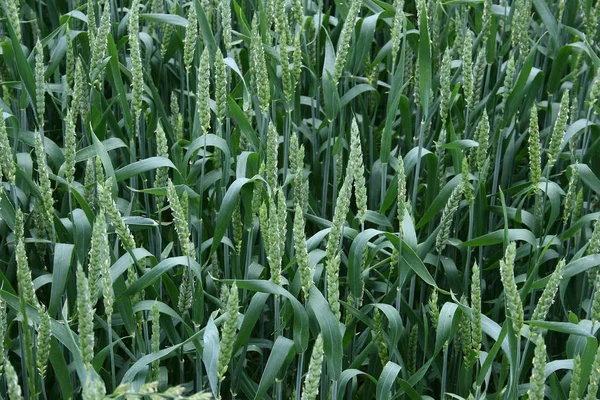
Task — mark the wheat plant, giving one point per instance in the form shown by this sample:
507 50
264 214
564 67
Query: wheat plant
219 199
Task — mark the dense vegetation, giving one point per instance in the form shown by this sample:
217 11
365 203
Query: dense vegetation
299 200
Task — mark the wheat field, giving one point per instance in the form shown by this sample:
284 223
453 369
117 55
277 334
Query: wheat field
303 199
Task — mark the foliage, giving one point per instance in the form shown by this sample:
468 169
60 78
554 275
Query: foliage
299 200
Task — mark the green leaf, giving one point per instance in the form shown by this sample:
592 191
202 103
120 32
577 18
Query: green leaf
59 331
447 324
580 265
116 80
171 19
460 144
141 364
253 313
581 222
348 375
356 259
139 167
63 254
61 369
106 162
155 273
394 323
300 317
210 355
562 327
354 92
242 122
280 355
547 17
147 305
204 141
90 151
391 107
386 380
227 206
207 35
12 51
498 237
409 260
440 201
330 329
588 177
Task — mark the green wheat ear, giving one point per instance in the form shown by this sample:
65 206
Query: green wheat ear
306 271
344 40
13 17
467 68
100 45
94 387
221 84
535 149
283 38
70 149
228 331
575 379
547 298
155 339
396 30
43 341
476 329
181 222
446 222
258 68
571 197
513 303
7 163
12 381
202 94
382 347
401 193
538 374
558 132
226 28
445 90
25 283
169 31
85 314
313 377
332 256
80 99
594 378
356 167
191 38
137 83
480 154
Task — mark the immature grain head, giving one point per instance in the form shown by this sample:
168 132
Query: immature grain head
310 389
203 91
191 38
43 341
228 331
85 314
538 372
535 149
514 307
355 165
447 215
558 133
7 163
